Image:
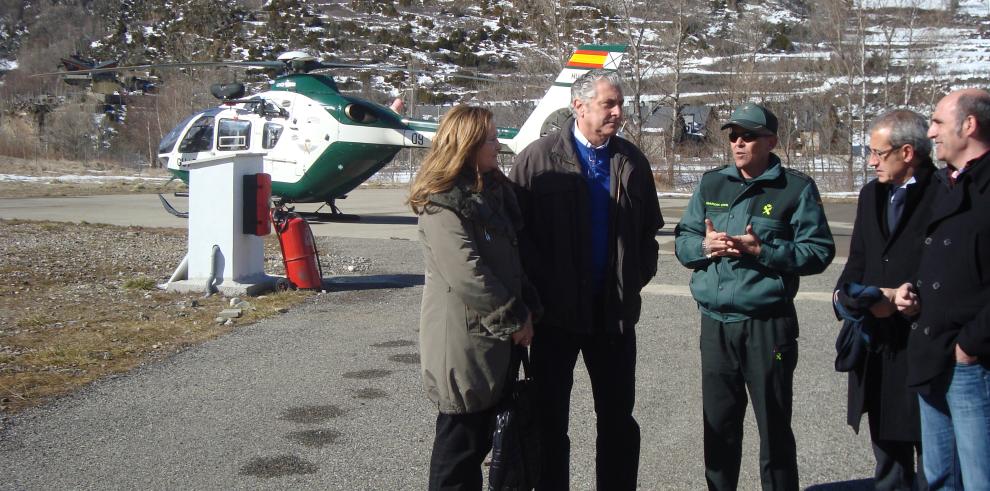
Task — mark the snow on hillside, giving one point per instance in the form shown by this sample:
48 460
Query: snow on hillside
903 4
965 7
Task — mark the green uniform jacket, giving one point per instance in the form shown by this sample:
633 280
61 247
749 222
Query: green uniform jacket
786 212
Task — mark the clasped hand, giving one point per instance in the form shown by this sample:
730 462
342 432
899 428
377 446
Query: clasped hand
524 336
902 299
905 299
718 244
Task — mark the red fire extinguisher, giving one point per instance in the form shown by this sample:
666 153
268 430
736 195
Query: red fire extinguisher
299 254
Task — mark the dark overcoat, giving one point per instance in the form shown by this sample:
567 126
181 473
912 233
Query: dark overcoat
556 241
880 259
953 279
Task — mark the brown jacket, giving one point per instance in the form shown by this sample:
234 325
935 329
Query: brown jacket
556 245
475 296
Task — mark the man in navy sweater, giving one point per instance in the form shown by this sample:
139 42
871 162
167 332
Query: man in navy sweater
591 215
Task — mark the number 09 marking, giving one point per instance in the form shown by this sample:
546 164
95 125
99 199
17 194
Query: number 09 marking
417 139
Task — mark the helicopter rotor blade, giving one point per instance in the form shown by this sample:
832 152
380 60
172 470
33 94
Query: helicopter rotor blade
324 65
470 77
296 61
278 65
327 66
455 75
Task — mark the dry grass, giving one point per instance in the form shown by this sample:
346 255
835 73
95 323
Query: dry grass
54 188
49 355
52 185
73 310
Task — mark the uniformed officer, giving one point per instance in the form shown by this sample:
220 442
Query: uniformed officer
750 230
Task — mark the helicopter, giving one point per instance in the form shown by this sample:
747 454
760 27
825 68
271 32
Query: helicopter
318 144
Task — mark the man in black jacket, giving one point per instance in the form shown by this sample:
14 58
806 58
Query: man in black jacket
886 244
589 245
949 344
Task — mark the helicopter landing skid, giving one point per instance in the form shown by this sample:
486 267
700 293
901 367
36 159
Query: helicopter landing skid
315 216
335 214
171 209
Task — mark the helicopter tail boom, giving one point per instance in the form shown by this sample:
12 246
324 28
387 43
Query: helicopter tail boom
544 118
584 59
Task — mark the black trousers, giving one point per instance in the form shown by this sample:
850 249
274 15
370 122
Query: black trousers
459 448
759 355
895 468
611 363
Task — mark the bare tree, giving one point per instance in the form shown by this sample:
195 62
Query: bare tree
73 135
740 40
659 35
847 63
632 30
683 17
547 23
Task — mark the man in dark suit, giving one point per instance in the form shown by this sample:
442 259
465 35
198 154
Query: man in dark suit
886 244
949 344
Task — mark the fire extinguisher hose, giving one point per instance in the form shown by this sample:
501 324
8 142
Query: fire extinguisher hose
316 250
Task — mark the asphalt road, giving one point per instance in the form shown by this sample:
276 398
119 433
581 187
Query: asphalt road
328 395
383 214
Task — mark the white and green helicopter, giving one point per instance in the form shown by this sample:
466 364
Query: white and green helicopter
320 144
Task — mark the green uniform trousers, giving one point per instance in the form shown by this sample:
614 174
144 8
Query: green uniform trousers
759 355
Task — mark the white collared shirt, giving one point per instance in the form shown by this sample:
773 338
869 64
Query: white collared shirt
909 182
584 141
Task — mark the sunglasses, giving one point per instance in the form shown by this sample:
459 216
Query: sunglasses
747 137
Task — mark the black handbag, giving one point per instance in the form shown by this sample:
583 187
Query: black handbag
516 442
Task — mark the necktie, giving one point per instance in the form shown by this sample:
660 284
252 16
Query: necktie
894 208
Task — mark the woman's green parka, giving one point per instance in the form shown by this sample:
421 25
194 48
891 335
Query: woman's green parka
476 294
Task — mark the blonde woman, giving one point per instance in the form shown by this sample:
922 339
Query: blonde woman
477 302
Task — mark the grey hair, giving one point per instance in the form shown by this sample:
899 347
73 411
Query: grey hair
906 128
976 105
585 87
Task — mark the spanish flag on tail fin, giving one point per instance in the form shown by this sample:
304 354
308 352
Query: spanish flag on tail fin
586 57
592 56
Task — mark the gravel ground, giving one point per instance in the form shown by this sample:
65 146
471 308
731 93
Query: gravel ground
328 396
77 303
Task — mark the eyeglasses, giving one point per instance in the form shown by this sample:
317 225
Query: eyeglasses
880 155
747 137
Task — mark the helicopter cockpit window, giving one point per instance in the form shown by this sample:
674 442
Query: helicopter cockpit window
270 136
360 113
234 134
168 141
199 138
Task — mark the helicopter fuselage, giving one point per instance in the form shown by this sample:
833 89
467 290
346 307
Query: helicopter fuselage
318 144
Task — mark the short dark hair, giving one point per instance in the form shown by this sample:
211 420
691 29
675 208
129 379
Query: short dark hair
976 104
906 128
